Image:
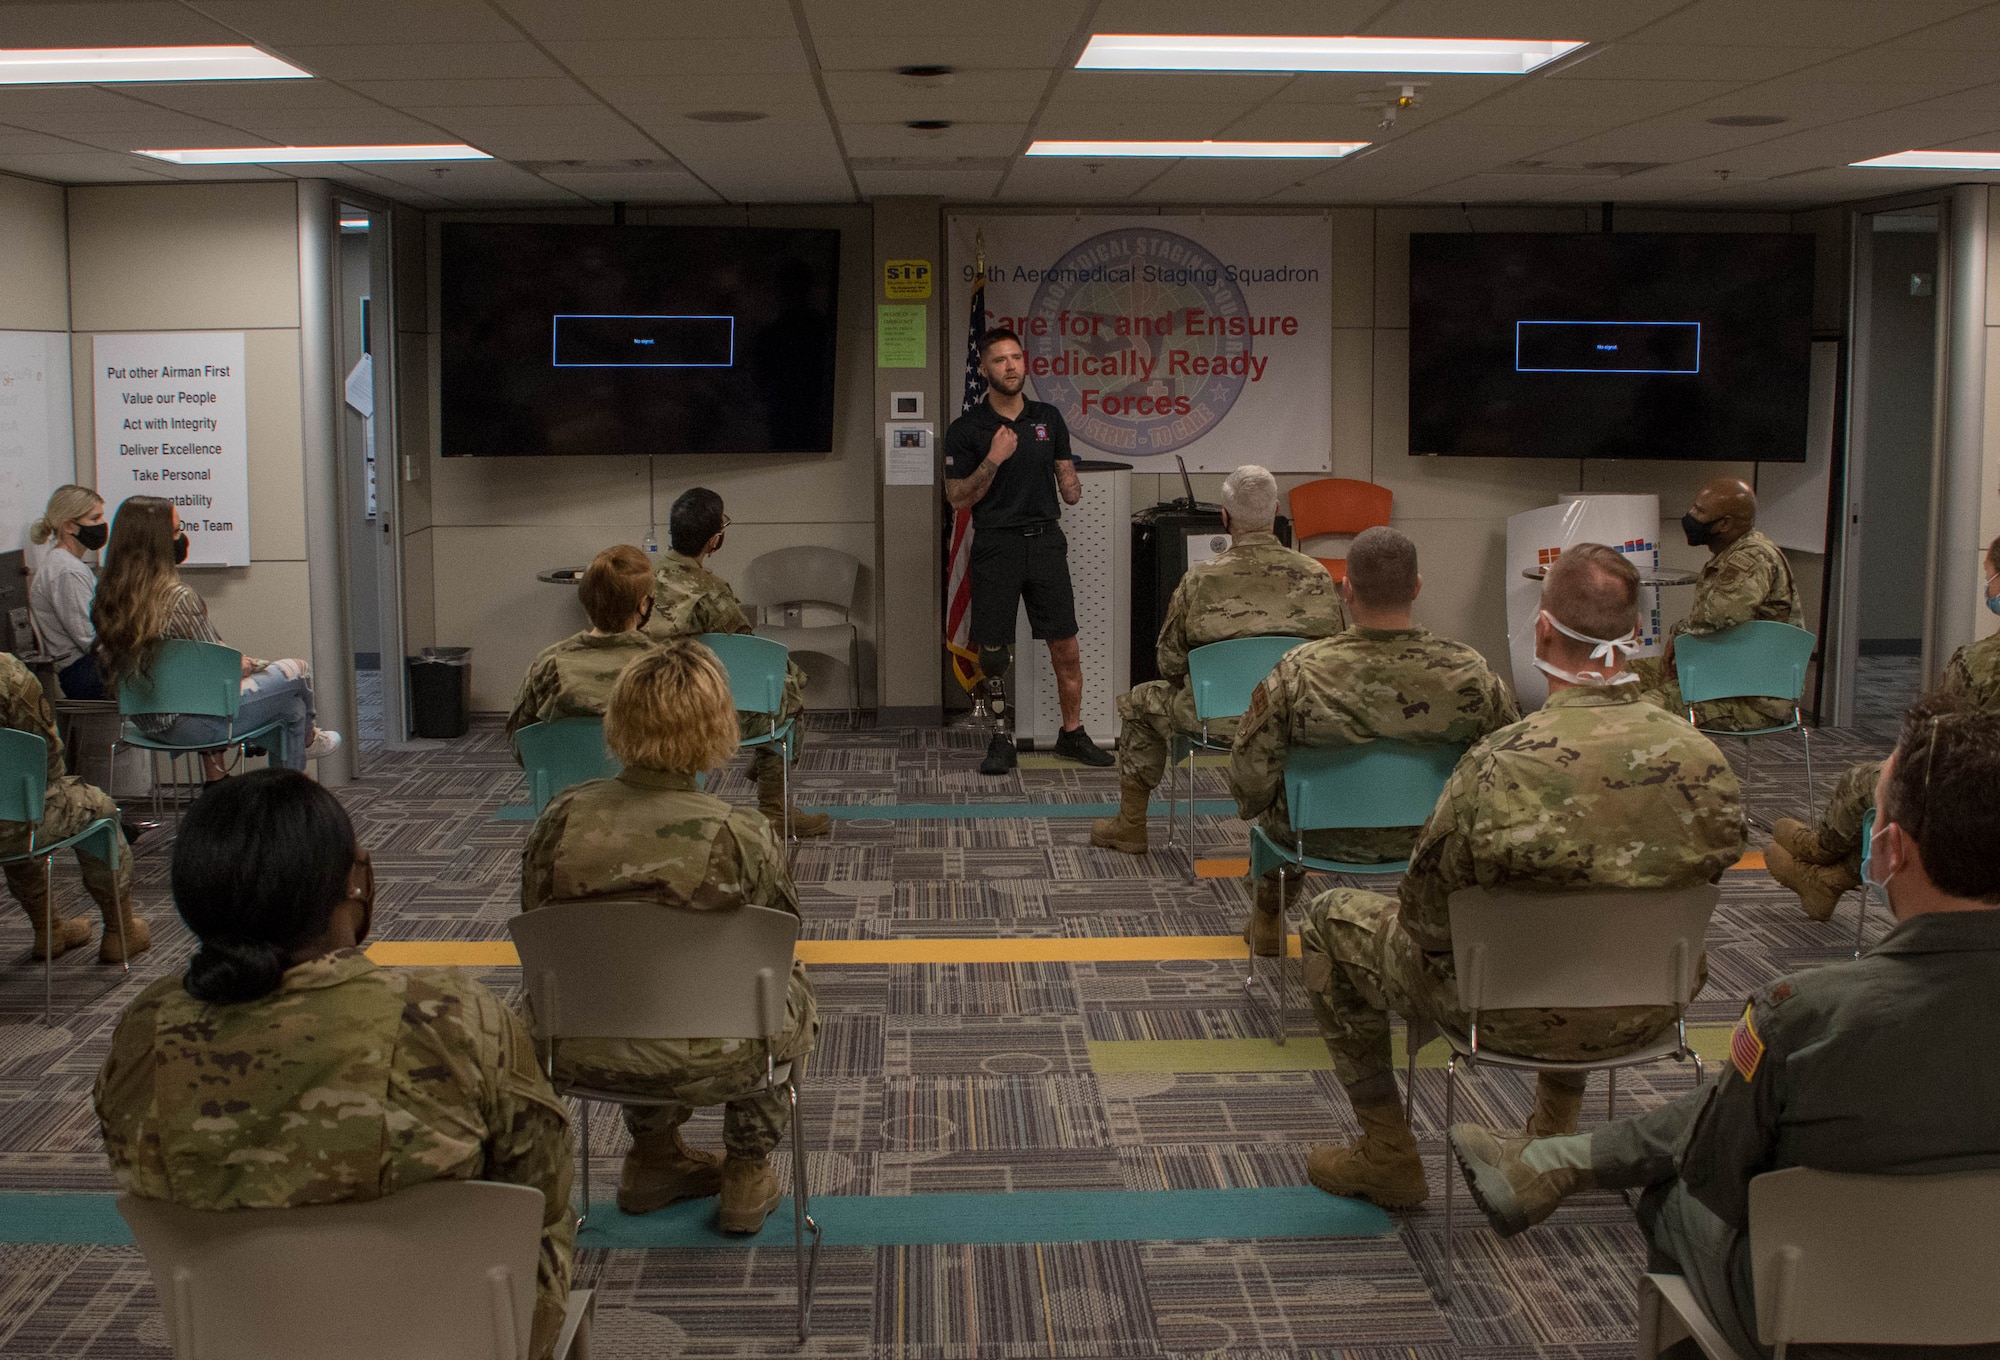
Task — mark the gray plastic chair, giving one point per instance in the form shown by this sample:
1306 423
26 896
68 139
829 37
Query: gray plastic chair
1833 1259
1576 950
782 582
620 968
441 1271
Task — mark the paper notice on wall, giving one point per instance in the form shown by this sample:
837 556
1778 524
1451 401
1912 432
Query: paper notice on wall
37 454
1536 538
170 423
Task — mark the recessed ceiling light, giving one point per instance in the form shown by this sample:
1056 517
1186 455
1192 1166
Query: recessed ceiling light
1934 160
308 155
727 116
928 124
1220 52
1220 150
1750 120
117 65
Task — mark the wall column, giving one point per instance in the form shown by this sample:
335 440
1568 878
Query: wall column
326 576
1957 592
910 638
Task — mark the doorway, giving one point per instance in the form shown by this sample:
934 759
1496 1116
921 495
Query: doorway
367 481
1899 304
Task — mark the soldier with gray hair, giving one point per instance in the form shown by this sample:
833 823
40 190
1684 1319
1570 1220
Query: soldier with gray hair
1597 790
1383 677
1257 588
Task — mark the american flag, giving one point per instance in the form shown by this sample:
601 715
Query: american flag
958 574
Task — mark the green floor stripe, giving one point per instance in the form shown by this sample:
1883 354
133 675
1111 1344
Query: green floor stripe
904 812
515 812
868 1220
1303 1053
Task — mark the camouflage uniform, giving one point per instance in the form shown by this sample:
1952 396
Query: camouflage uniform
688 600
573 678
1597 789
1258 588
1362 684
1973 677
350 1082
69 805
652 834
1749 579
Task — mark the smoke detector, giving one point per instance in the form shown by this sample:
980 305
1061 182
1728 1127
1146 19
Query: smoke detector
1401 95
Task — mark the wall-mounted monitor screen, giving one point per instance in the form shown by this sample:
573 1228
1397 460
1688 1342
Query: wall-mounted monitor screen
630 339
1621 345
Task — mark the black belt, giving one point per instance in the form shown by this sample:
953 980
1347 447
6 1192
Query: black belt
1022 530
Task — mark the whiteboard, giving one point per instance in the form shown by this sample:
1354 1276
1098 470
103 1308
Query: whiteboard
1791 497
37 441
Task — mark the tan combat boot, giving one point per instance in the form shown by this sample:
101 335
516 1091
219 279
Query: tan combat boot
1265 933
138 937
1516 1181
1802 842
1819 886
749 1193
1556 1108
771 802
662 1170
1127 831
69 934
1381 1166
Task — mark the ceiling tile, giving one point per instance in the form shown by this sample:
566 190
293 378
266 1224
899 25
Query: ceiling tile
145 24
952 185
1634 61
1075 181
1572 20
532 92
881 35
1780 23
712 90
1167 87
772 161
747 60
650 20
424 61
282 24
963 139
673 186
1173 122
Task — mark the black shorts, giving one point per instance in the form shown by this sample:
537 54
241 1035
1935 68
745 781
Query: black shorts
1007 567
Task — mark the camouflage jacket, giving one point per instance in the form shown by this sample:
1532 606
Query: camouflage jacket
1596 789
573 678
689 599
349 1082
25 708
1749 579
1258 588
653 834
1361 684
1973 674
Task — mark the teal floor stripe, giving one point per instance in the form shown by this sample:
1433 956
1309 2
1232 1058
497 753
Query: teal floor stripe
870 1220
515 812
905 812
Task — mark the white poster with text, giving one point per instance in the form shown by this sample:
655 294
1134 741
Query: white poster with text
170 423
1207 337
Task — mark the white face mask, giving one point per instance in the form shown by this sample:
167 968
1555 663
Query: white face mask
1608 651
1881 884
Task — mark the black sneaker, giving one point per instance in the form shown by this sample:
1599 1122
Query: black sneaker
1000 756
1075 743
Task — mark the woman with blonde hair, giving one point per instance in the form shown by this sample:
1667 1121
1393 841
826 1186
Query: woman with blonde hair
60 592
142 601
650 833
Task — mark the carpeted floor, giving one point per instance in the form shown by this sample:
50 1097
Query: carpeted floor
1131 1077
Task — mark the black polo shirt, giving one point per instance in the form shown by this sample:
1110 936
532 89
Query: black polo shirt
1024 487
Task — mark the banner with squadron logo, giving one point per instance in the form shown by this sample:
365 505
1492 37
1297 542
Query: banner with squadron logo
1208 337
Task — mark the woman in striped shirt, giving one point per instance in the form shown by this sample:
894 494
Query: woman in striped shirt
141 600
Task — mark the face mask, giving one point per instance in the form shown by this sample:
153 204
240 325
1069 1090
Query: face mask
1881 884
1698 531
180 549
1608 651
91 536
1992 601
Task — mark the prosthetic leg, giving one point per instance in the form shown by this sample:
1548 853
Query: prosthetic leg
994 662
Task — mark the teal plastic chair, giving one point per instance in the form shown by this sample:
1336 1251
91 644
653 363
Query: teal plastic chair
756 670
1387 782
1761 659
203 678
556 755
1221 678
24 789
1867 855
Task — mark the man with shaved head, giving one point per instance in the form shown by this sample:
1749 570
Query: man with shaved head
1256 588
1746 578
1596 790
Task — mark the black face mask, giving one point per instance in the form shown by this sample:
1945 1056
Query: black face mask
92 536
180 549
1698 531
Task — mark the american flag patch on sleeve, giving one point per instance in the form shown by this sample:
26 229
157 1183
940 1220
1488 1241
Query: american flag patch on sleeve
1746 1050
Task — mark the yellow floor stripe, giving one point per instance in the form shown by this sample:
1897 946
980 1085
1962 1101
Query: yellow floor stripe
1143 949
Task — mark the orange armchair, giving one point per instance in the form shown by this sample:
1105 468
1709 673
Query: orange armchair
1337 505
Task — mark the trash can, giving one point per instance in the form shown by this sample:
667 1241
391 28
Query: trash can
440 691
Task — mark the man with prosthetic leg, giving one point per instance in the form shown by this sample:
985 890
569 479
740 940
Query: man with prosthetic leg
1006 460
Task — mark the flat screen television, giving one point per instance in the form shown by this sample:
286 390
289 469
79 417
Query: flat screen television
1692 345
569 339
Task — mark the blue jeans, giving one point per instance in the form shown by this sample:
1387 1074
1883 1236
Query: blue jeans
267 697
